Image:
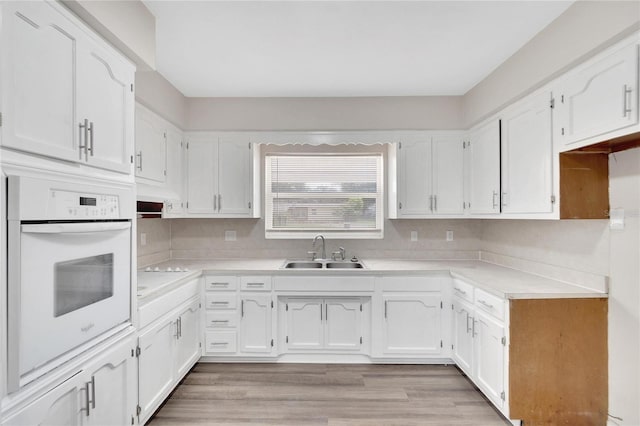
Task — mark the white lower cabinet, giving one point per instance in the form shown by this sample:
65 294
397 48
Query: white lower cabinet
324 324
256 334
102 392
479 346
167 350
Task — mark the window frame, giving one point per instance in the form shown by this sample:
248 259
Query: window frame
377 233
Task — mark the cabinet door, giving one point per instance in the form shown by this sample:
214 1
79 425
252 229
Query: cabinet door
601 98
462 336
414 179
304 326
39 80
255 323
412 324
175 156
105 99
201 170
343 324
63 405
188 342
489 356
484 169
114 390
448 175
526 157
234 179
155 372
151 146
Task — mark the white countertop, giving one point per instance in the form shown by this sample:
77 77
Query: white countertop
499 280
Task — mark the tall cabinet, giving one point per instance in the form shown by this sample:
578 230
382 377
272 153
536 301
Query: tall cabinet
483 150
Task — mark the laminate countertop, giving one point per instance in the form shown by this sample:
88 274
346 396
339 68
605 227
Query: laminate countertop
498 280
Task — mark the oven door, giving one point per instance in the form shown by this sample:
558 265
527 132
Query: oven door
74 285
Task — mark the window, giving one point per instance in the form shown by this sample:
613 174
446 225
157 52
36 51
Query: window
338 195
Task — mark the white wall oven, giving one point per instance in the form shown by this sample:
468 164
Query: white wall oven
69 271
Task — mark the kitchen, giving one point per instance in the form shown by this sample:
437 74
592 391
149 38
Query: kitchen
231 240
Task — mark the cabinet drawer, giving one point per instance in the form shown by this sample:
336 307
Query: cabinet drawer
255 283
215 282
224 319
220 341
221 301
489 303
463 290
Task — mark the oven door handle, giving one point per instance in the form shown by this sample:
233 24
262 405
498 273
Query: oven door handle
74 228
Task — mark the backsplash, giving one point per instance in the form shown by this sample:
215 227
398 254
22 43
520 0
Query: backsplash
158 241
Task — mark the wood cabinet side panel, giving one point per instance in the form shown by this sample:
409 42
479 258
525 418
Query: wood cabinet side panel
558 371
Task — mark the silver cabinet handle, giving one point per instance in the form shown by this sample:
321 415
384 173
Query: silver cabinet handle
218 284
468 328
84 130
435 203
220 303
88 399
326 312
430 203
220 321
219 202
215 202
625 108
321 313
242 308
90 130
473 329
255 284
179 327
504 199
482 302
218 343
139 166
385 309
495 203
459 290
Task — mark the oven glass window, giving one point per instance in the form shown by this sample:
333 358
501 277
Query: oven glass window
81 282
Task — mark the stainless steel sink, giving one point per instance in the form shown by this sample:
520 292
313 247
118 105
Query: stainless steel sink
344 265
302 265
321 264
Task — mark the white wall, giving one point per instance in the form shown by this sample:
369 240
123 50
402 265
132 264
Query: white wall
624 296
586 27
157 94
373 113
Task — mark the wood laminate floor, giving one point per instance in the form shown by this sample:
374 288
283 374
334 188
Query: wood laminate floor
326 394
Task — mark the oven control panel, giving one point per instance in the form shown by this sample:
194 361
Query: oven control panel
75 205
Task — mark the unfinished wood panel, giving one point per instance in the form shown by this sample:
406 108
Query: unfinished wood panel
618 144
558 361
584 185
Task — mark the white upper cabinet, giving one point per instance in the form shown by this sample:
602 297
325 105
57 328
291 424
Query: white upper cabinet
38 80
599 99
106 103
430 177
527 152
220 177
66 94
484 168
151 146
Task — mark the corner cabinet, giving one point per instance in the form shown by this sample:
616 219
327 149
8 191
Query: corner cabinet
220 177
410 318
483 151
66 94
429 174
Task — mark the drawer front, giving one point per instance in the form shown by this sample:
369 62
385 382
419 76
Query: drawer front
220 341
220 283
462 290
223 319
255 283
489 303
215 301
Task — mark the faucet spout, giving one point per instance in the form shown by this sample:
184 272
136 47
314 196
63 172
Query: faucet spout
321 237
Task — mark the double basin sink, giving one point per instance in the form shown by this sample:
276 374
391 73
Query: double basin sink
322 264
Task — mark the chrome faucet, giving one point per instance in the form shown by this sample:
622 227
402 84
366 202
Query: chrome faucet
341 253
324 252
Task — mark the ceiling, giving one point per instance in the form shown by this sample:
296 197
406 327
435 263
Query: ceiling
340 48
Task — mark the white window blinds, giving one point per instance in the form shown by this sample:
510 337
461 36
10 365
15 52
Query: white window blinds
335 194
